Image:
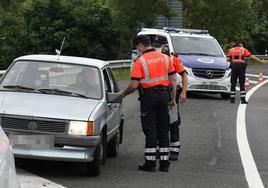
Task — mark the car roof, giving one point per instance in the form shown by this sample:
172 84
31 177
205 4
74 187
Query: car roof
150 31
65 59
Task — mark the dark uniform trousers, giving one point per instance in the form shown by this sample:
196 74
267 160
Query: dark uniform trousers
175 134
238 71
155 125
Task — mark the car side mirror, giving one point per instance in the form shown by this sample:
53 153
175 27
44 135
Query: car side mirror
114 97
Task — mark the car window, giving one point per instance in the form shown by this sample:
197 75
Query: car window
108 87
115 88
196 45
84 80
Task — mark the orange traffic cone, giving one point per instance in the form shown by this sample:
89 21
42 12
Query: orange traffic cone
247 86
260 78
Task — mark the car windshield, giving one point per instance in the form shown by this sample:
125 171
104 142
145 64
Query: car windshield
54 78
196 45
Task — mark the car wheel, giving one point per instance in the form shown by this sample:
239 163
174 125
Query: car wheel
225 95
93 168
113 145
121 131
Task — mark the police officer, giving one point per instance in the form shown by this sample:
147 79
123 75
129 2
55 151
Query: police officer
152 72
237 57
161 44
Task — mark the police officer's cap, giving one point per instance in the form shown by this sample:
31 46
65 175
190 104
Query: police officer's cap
143 39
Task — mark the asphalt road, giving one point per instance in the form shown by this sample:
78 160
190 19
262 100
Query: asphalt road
209 155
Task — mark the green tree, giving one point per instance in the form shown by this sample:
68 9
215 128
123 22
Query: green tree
38 26
130 16
226 20
257 25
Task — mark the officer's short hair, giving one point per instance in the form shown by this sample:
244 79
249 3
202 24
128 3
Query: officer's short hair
239 43
161 40
143 39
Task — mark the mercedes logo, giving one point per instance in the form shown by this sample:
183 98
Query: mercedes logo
32 125
209 73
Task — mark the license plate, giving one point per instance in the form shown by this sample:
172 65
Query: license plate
210 83
32 141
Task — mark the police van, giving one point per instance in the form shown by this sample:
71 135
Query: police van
203 58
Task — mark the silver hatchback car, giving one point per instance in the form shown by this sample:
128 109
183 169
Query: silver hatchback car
62 108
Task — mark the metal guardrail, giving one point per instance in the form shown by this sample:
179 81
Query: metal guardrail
262 57
125 63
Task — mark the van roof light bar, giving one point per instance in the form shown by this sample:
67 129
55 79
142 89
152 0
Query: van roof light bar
195 31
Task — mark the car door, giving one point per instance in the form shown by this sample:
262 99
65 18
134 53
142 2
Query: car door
114 109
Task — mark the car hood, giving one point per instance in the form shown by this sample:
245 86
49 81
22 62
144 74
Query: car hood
47 106
204 62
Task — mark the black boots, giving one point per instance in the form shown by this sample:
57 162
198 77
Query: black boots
243 100
151 167
164 166
173 156
147 167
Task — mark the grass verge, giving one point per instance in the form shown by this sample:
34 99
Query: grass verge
121 73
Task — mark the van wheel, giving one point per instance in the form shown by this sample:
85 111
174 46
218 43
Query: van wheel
113 145
93 168
225 95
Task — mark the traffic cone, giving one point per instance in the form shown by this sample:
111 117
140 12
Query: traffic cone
247 86
260 78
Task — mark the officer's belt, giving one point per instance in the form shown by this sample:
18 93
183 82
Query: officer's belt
156 89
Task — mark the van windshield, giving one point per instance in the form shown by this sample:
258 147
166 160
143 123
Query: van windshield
54 78
196 45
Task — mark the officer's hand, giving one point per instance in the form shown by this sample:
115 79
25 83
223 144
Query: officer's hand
172 103
182 98
122 93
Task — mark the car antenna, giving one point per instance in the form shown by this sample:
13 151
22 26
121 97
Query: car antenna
58 52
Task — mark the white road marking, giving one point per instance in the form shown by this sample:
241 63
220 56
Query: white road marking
29 180
251 172
255 75
253 82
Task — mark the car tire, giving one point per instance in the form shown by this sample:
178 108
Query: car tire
225 95
93 168
121 131
113 145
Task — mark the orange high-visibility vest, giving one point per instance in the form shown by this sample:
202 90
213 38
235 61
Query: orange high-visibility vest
179 68
238 54
152 69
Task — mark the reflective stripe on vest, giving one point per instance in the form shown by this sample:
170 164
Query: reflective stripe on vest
147 79
240 57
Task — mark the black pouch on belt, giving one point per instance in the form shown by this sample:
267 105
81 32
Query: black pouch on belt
179 90
140 93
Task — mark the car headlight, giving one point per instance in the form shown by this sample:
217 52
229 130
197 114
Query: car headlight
81 128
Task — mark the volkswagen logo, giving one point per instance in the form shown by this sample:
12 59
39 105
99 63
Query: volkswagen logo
209 73
32 125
